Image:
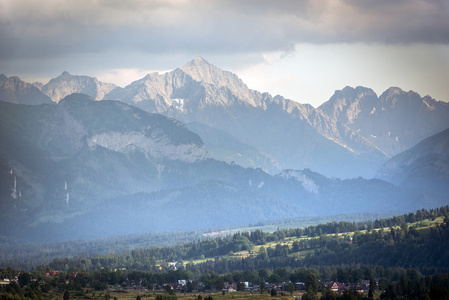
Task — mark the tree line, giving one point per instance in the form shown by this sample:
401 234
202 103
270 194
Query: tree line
382 243
399 255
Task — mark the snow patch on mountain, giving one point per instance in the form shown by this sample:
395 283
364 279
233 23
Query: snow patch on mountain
67 197
14 189
178 104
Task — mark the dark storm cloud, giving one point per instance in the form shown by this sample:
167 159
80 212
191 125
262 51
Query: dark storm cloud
52 29
402 21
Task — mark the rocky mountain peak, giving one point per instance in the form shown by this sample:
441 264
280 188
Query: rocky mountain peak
11 78
198 61
14 90
38 84
207 74
200 70
149 76
12 81
429 103
393 122
66 84
394 91
349 95
397 98
356 92
392 94
346 104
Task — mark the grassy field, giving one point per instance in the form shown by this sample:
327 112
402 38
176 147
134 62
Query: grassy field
151 295
193 296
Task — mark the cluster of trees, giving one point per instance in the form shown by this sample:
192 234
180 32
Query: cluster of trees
398 255
33 255
339 227
434 286
38 282
328 248
150 249
146 259
394 282
401 246
425 250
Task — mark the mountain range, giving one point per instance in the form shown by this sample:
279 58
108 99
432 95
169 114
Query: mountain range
350 135
195 148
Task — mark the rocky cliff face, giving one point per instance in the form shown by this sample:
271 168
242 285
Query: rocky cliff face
14 90
202 93
132 129
111 168
350 135
153 145
66 84
348 105
79 138
393 122
218 82
158 92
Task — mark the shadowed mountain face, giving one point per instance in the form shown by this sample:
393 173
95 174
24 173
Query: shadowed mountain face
65 84
14 90
84 168
223 146
70 156
393 122
424 166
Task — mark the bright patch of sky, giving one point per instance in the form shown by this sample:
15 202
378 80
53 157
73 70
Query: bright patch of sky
311 73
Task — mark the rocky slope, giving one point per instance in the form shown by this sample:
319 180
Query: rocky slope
84 168
14 90
350 135
222 146
70 156
424 166
67 84
202 93
394 122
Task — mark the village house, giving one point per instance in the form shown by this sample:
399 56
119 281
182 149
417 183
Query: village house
338 287
230 287
300 286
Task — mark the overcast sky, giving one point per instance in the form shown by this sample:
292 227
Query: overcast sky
302 50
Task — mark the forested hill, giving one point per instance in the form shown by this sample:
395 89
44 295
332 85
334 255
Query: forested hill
390 250
395 242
